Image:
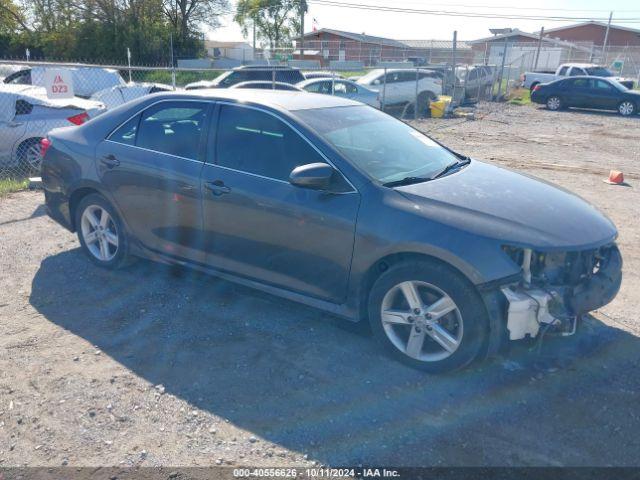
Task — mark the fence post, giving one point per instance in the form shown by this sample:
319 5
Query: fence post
415 108
173 65
384 88
333 82
501 76
129 62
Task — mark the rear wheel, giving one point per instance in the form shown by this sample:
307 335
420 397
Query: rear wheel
29 156
427 316
554 103
101 232
626 108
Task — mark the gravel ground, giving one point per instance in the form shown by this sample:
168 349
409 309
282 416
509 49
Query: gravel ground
152 366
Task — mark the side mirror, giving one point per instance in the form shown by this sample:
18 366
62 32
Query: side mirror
316 176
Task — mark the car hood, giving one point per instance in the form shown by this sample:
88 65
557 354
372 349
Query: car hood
513 208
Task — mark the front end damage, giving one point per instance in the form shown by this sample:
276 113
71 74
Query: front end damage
557 288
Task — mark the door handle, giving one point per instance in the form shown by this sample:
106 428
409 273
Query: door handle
217 187
110 161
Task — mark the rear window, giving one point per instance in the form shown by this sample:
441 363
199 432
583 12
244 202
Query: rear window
266 74
174 128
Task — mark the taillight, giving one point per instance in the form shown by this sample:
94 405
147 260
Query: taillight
437 81
536 88
45 143
79 119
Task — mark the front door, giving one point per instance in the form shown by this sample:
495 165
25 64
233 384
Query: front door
603 95
258 225
152 166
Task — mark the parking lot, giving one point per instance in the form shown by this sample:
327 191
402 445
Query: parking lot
153 366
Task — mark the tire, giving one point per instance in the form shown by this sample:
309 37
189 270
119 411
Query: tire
467 324
626 108
554 103
28 155
110 246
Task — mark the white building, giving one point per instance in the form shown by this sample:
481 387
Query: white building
241 51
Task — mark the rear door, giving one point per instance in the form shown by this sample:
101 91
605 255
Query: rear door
151 165
578 93
259 226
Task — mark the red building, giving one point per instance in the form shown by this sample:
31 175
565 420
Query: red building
595 32
329 45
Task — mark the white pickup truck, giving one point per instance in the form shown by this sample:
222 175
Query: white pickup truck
531 79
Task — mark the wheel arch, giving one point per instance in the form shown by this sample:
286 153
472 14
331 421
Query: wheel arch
381 265
76 197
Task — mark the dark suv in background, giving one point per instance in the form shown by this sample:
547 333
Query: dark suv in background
250 73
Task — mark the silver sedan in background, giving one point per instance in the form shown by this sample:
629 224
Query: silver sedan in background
27 115
341 88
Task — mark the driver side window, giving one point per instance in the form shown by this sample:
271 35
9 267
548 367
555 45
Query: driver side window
258 143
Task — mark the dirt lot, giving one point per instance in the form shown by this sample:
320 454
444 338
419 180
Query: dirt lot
146 367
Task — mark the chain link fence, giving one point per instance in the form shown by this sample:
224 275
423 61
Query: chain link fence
27 113
403 78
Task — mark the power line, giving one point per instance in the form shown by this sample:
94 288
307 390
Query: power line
380 8
509 7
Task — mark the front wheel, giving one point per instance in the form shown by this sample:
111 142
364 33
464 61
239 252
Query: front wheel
554 103
626 108
101 233
428 316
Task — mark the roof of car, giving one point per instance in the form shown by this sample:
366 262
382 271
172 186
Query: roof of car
309 81
278 99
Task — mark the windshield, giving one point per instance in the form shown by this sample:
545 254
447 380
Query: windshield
372 75
384 148
599 72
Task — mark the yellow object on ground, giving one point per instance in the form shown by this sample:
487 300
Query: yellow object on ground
438 107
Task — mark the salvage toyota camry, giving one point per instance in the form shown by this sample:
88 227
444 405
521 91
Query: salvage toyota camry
336 205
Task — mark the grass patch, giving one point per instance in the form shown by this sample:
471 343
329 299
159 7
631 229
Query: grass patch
10 185
520 96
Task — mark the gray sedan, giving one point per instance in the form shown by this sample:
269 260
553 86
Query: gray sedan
337 205
342 88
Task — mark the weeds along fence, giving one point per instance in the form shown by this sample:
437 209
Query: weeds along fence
27 114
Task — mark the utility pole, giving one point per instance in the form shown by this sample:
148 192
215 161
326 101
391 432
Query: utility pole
302 29
535 65
606 38
504 59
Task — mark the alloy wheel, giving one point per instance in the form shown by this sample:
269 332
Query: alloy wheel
626 108
99 233
32 156
553 103
421 321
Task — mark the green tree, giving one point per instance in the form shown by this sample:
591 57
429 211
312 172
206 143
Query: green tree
185 17
276 21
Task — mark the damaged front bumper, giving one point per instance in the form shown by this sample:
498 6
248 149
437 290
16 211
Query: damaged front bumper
554 291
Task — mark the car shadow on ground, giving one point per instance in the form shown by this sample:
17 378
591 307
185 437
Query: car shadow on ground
320 386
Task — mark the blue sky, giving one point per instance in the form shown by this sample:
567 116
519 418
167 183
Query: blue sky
417 26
